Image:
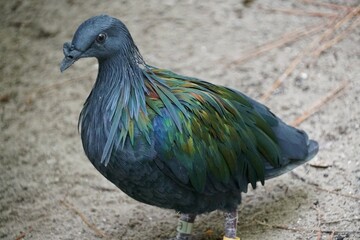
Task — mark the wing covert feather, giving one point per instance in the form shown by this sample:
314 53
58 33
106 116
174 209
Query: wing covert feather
222 139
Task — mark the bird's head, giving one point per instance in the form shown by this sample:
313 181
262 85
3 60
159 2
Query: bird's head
101 37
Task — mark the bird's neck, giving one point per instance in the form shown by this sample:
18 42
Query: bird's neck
120 82
116 101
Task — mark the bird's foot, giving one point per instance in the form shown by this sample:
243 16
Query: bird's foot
186 221
230 225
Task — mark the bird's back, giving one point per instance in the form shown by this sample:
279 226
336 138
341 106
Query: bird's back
226 139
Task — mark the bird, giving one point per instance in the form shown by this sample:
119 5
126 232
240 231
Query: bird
174 141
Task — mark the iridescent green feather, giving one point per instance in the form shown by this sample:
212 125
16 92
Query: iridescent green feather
214 133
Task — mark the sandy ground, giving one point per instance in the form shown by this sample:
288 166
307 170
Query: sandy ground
45 177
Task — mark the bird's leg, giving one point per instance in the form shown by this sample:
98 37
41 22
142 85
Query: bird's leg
230 225
185 226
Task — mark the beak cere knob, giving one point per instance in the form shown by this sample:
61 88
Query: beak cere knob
67 48
71 55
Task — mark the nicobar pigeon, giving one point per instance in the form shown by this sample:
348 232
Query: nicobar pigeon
174 141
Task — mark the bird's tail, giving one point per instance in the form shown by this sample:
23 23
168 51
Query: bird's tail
313 148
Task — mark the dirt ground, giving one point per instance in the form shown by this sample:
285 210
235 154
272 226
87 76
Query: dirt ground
49 190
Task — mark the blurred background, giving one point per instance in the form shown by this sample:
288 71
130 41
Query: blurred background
299 57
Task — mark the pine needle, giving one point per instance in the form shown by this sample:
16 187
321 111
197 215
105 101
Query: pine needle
317 187
22 235
336 39
333 26
356 197
317 106
331 237
291 67
340 23
301 12
296 229
97 231
328 5
284 39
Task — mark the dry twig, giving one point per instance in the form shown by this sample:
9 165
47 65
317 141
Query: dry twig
296 229
320 165
338 193
266 95
291 67
301 12
318 217
20 236
342 220
23 234
334 25
328 5
316 107
323 189
284 39
336 39
331 237
318 234
97 231
340 23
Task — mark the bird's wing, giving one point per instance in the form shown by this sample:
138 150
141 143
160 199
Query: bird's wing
216 141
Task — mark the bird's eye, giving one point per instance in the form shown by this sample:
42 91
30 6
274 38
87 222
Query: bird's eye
101 38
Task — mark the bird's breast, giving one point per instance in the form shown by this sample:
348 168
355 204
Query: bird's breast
94 128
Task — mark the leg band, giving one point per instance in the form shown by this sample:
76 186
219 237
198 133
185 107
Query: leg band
184 227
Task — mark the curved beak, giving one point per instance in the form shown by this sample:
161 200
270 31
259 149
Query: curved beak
71 56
